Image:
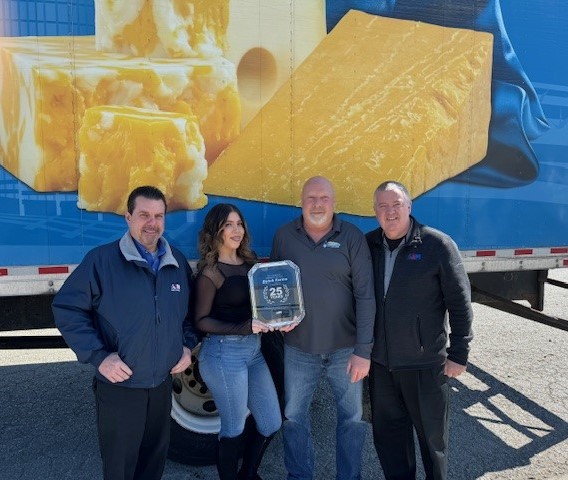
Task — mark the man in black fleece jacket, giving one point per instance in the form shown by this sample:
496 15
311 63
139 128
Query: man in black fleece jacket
420 284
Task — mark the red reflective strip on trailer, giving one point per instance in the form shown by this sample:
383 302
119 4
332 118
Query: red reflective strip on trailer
3 272
52 270
524 251
485 253
559 250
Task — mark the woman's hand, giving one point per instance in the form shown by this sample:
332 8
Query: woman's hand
259 327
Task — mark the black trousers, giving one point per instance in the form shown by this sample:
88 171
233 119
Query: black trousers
407 400
134 429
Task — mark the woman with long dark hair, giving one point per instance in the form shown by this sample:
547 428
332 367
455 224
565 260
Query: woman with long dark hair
230 359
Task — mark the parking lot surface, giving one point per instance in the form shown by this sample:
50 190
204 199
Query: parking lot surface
509 417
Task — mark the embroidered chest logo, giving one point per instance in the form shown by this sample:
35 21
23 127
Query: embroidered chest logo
330 244
414 256
175 287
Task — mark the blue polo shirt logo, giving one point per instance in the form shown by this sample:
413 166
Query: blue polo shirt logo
414 256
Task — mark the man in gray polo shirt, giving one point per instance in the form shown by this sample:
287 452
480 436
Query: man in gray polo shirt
335 338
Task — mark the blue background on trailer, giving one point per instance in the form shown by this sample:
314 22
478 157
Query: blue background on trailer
492 211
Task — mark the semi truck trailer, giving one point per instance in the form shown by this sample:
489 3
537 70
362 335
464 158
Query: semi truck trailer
241 101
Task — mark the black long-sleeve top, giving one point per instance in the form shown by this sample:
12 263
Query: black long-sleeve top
223 300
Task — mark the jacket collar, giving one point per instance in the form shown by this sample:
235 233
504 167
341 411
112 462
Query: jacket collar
413 236
131 253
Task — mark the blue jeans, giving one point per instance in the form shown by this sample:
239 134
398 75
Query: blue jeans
239 380
302 372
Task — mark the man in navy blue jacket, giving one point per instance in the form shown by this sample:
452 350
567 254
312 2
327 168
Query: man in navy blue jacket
422 335
125 310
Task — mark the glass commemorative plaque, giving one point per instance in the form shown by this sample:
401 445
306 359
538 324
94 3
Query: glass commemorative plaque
276 293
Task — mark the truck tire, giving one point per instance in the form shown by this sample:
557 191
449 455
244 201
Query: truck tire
191 448
194 420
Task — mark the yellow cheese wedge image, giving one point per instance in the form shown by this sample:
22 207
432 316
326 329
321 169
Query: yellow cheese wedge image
48 82
267 40
162 28
125 147
378 99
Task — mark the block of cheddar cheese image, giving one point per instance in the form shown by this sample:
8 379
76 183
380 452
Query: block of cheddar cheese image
125 147
162 28
48 82
378 99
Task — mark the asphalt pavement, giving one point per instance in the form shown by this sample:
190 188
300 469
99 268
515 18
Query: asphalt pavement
509 412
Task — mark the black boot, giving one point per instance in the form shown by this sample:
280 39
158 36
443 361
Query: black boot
228 457
252 456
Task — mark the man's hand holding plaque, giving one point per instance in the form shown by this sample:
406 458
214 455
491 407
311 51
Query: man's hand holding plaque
276 294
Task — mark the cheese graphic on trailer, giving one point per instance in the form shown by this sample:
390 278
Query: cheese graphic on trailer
124 147
267 40
49 82
378 99
162 28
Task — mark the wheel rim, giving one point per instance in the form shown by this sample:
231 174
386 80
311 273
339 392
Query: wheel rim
193 407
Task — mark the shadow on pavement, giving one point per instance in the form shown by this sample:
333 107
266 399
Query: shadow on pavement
495 427
47 428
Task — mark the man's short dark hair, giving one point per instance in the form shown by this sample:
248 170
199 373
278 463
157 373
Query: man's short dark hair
146 191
